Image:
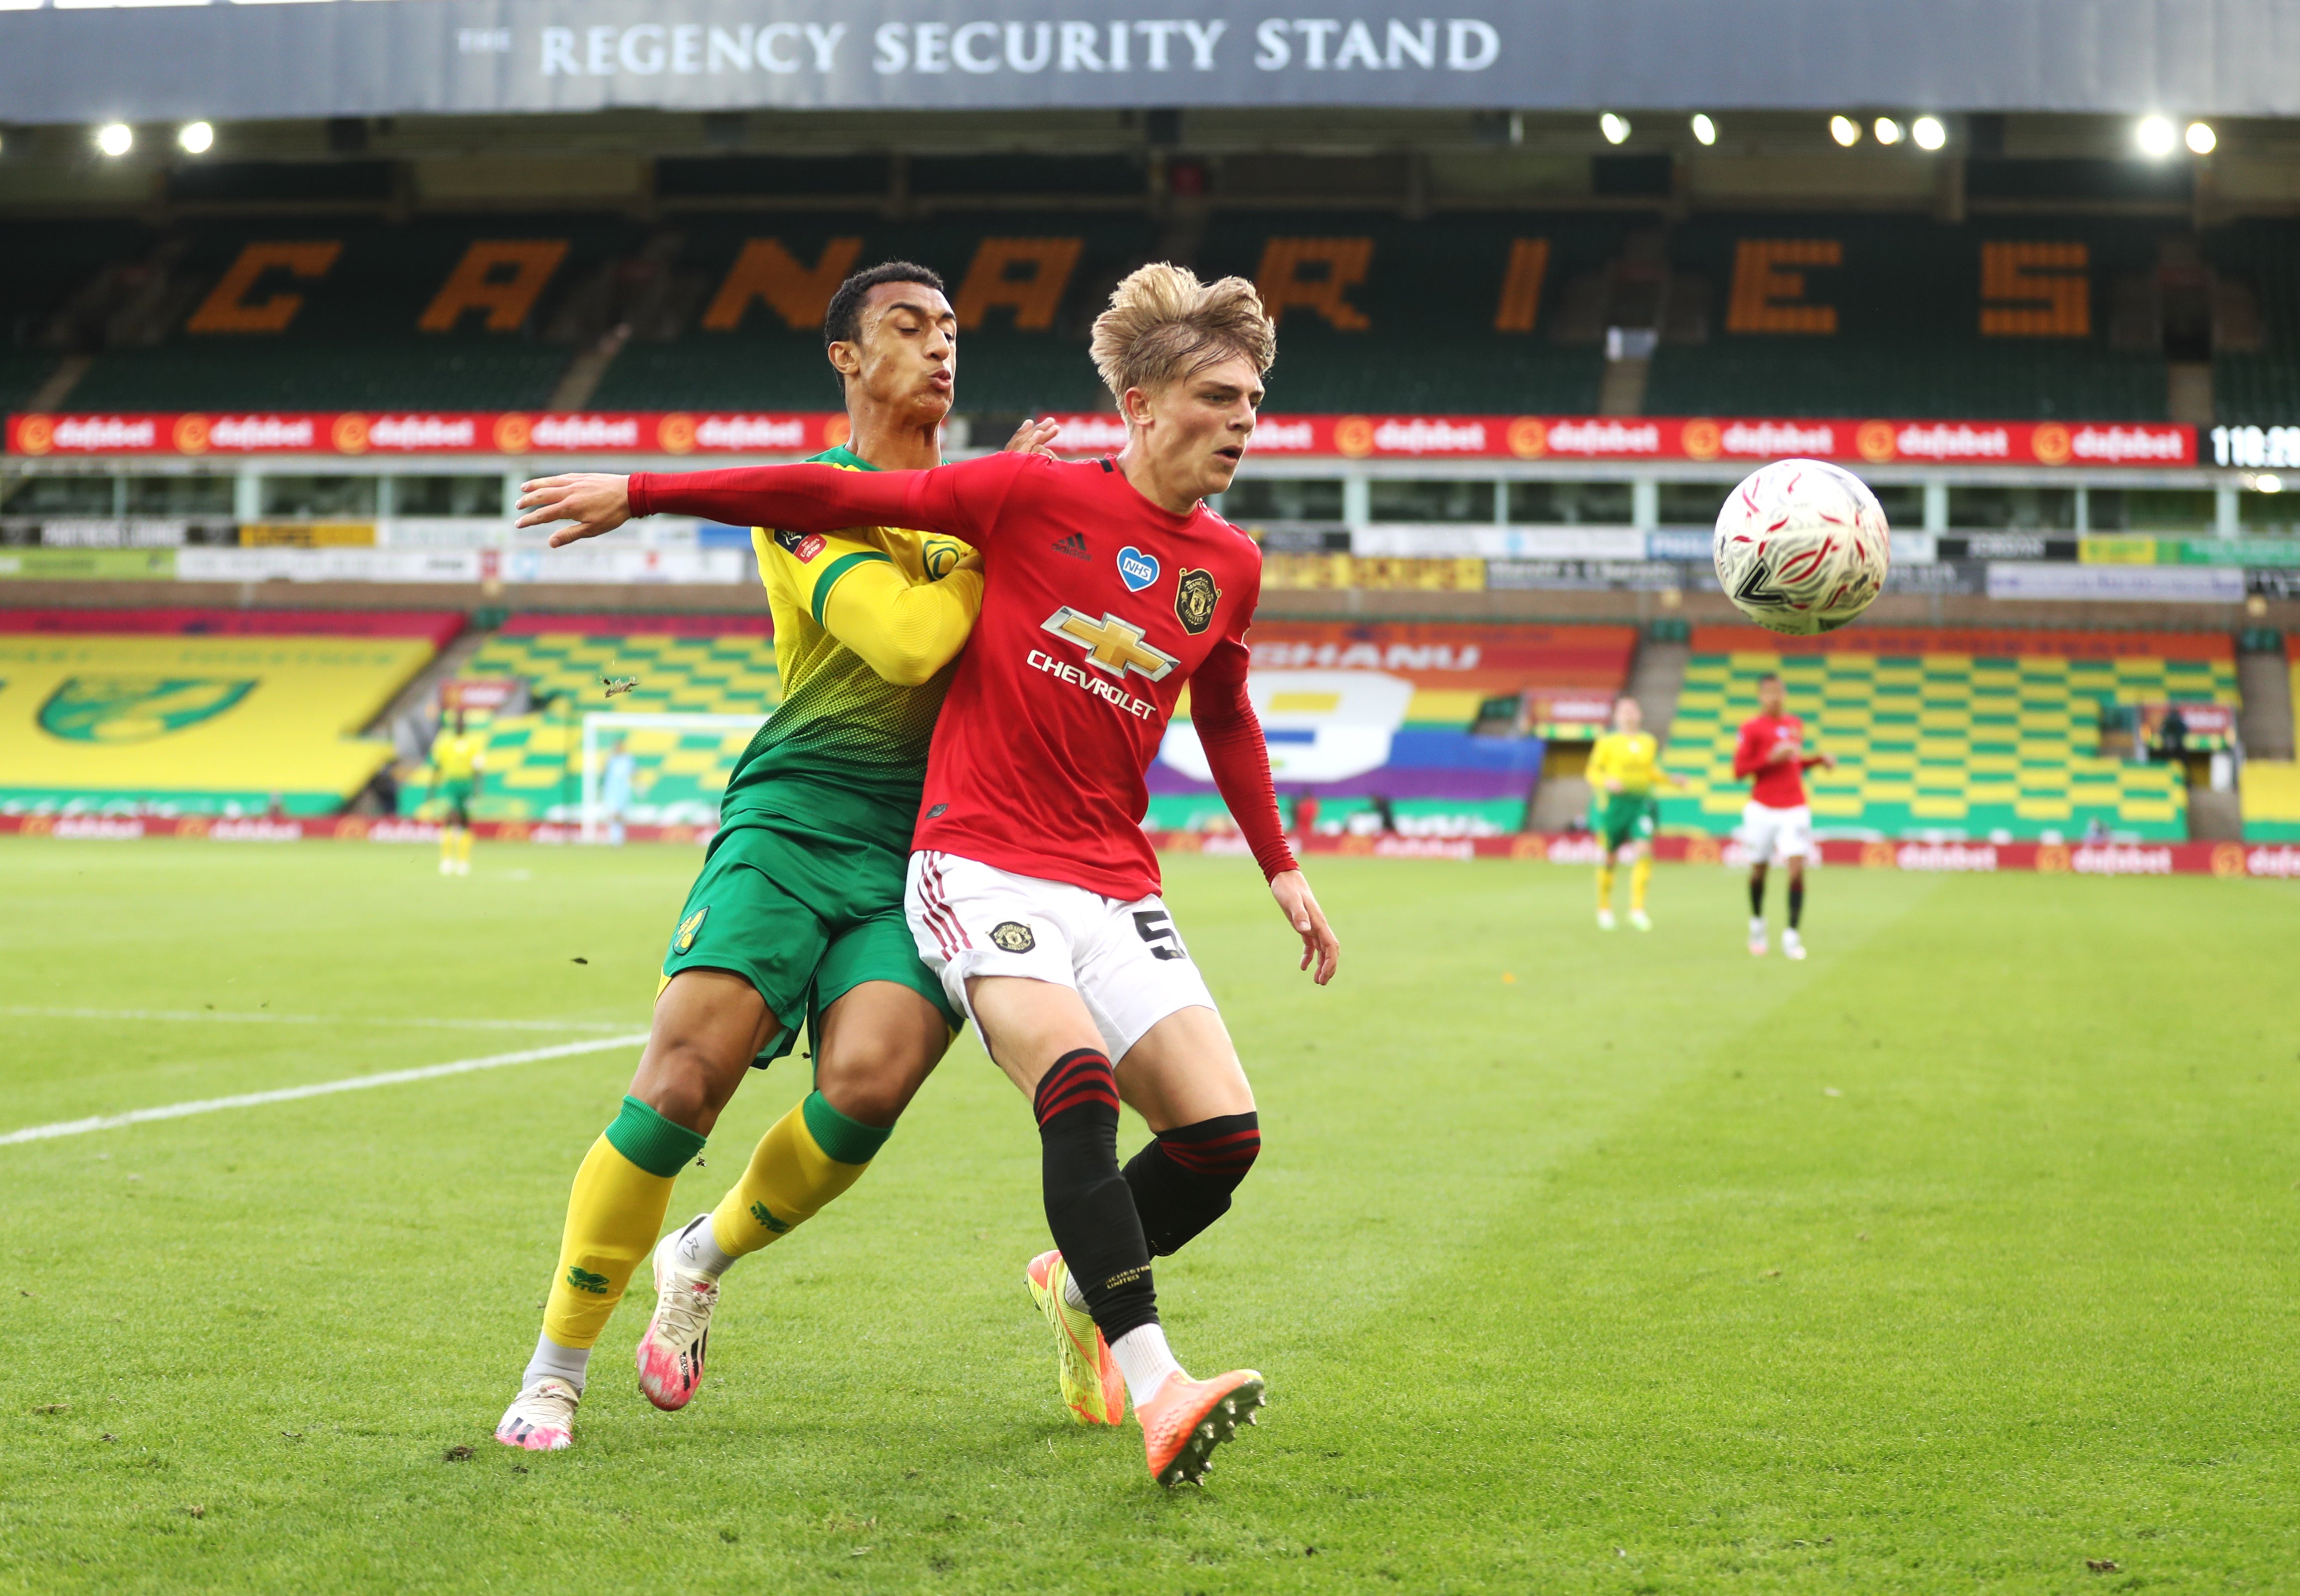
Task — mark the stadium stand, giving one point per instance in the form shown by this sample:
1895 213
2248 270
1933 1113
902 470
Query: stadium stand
1948 734
214 713
687 664
1760 313
1363 717
1851 316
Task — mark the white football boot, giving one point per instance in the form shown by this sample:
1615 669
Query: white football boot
542 1419
1792 944
1757 939
1605 919
1640 920
670 1353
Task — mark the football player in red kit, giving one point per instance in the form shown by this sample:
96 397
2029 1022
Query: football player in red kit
1776 823
1034 893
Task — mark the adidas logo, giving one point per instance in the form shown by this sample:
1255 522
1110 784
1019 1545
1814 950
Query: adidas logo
1074 546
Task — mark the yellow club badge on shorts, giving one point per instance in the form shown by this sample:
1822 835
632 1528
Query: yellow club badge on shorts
689 929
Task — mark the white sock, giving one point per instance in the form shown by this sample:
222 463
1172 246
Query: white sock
555 1362
698 1248
1757 925
1070 1293
1145 1359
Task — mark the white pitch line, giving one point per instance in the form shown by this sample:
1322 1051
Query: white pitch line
248 1100
254 1018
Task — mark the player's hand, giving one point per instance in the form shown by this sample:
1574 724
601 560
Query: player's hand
1827 761
597 501
1033 436
1292 890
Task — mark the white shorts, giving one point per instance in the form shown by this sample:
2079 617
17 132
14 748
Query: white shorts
1770 834
1125 959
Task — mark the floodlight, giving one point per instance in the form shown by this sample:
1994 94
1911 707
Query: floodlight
1845 130
115 138
195 138
2154 136
1929 133
1704 131
2268 482
1616 128
1888 130
2202 140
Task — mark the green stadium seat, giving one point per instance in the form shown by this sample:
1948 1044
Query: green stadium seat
1952 743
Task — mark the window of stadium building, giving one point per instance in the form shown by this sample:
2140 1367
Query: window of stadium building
468 495
2270 515
57 495
2013 509
1571 503
1283 499
2149 509
202 495
1430 501
1692 504
297 498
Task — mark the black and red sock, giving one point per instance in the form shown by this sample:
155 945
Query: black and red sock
1796 904
1182 1181
1089 1205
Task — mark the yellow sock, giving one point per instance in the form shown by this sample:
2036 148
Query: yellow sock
1604 886
1640 873
446 844
613 1217
464 845
809 1157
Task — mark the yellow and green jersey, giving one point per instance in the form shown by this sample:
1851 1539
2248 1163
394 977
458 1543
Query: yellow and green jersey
1633 759
867 626
457 758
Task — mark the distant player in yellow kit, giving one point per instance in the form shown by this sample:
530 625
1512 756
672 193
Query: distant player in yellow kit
1624 770
458 760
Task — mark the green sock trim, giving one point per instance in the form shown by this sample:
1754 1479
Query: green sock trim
651 1142
843 1140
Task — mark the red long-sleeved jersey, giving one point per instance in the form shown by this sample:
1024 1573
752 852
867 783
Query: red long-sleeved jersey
1098 607
1779 785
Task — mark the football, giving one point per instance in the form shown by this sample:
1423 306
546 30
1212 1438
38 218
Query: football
1802 546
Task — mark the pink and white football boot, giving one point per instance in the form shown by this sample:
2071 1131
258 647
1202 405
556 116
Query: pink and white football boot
670 1353
542 1419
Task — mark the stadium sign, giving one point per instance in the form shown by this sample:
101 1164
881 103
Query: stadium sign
1696 439
80 60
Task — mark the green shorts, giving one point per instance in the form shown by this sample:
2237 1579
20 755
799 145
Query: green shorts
1626 818
455 792
804 916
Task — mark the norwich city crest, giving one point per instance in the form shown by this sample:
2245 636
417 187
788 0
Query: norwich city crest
136 708
689 929
940 556
1195 598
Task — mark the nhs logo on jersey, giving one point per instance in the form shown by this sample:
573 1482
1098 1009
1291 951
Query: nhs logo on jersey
1136 568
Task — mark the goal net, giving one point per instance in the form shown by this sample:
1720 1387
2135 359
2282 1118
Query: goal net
678 766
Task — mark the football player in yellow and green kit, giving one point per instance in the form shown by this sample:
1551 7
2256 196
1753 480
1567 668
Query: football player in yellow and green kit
1624 770
797 915
458 760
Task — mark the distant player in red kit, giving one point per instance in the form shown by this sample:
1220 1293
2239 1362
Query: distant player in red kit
1033 894
1776 823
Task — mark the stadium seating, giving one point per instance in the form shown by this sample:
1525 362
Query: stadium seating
1363 715
1901 300
708 665
1963 734
180 711
1504 312
2262 388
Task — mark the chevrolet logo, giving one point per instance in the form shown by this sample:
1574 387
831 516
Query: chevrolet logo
1111 645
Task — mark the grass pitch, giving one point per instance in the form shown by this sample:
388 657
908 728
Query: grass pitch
1952 1259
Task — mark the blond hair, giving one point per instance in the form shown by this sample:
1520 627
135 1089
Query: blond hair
1163 324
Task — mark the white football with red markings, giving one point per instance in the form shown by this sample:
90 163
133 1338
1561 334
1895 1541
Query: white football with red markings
1801 547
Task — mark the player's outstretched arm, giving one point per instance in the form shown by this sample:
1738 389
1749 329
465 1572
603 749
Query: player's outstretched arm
904 630
1291 888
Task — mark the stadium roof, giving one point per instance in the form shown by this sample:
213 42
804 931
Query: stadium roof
85 60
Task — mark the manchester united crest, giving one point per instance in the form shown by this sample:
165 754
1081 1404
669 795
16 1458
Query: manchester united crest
1014 937
1195 598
